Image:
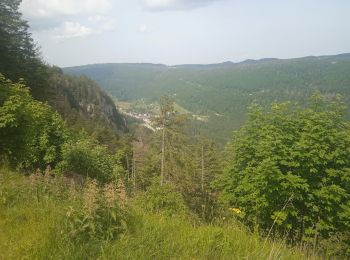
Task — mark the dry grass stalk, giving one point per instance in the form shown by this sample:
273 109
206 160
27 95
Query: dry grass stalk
90 196
122 195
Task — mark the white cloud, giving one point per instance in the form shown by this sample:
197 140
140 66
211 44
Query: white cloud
66 19
71 30
103 23
154 4
161 5
59 8
143 28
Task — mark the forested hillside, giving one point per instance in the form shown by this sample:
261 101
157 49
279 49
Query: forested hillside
20 60
83 97
224 91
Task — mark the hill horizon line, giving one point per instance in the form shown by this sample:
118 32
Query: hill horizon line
224 63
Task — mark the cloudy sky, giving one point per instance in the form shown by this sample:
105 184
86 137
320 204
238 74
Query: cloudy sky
76 32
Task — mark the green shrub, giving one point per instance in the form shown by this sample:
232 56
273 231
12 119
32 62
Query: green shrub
98 215
289 170
31 133
163 199
336 246
89 159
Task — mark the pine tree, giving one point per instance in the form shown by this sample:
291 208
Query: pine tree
207 168
19 55
174 143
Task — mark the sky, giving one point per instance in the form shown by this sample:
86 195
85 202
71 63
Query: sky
77 32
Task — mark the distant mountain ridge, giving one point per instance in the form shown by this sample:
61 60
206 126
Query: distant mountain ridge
224 63
225 88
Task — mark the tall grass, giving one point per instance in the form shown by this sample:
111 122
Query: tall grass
33 225
163 237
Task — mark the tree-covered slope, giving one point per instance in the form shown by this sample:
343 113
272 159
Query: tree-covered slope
224 91
20 61
82 97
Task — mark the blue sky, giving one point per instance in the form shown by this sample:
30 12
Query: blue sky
76 32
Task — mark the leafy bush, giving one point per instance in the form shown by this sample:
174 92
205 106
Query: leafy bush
86 157
163 199
98 215
31 133
290 169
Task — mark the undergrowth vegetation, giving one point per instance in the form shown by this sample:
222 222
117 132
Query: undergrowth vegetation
43 216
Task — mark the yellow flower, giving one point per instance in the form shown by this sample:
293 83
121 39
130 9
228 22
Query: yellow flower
235 210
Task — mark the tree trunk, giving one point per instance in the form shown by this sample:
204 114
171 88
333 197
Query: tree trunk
134 172
127 165
202 177
163 155
202 184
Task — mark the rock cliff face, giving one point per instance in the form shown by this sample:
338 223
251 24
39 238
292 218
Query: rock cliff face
85 97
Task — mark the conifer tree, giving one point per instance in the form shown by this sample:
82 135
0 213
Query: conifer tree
19 55
174 143
207 168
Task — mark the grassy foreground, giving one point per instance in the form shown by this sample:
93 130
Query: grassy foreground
34 225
